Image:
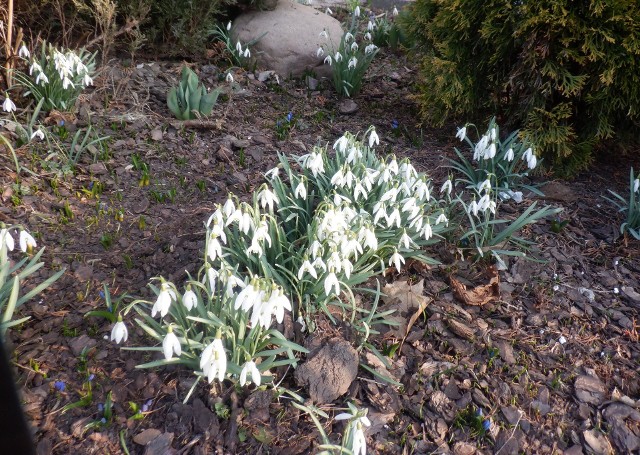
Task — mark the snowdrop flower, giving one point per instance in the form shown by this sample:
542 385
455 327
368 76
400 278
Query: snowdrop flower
38 133
214 249
427 232
213 361
8 105
171 345
368 238
301 190
509 155
353 62
354 46
7 239
338 179
27 242
163 302
247 52
35 66
320 52
442 219
490 152
462 133
267 198
250 368
373 138
249 297
189 299
370 26
397 260
636 185
493 134
41 77
229 207
367 37
66 82
307 267
405 240
348 37
394 218
480 148
324 34
446 186
532 162
328 11
239 47
119 331
229 26
87 81
370 48
328 60
24 52
359 190
278 302
356 12
473 207
338 57
485 186
229 77
331 282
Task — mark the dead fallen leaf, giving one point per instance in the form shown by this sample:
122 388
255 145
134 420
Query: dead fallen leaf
479 295
460 329
409 303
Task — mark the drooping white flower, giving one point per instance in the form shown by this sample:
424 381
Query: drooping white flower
492 134
328 11
87 80
480 148
442 219
636 185
26 242
405 240
214 249
395 11
397 260
229 26
229 77
485 186
213 361
446 186
212 277
532 161
331 282
367 37
509 155
24 52
373 138
250 368
119 331
267 198
163 302
307 267
66 82
277 303
249 297
394 217
8 105
370 47
189 299
356 12
338 57
171 345
354 46
348 37
42 78
473 207
324 34
239 48
353 62
328 60
247 52
7 239
37 133
462 133
427 232
490 151
320 52
301 190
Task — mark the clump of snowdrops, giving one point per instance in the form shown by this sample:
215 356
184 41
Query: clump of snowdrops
56 76
351 57
14 273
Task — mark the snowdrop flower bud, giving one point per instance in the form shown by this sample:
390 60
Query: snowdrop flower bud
370 26
229 26
8 105
247 53
301 190
328 11
462 133
446 186
163 302
229 77
636 185
324 34
37 133
119 331
356 12
320 52
239 47
27 242
348 37
87 81
373 138
509 155
328 60
250 367
24 52
354 46
171 345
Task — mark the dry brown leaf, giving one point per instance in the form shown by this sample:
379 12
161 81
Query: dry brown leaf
460 329
479 295
409 303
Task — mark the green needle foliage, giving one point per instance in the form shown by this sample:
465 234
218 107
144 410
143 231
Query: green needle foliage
566 73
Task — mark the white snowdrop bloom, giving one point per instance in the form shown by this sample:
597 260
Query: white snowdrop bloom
66 82
396 260
239 48
359 190
164 300
229 79
394 217
319 264
337 57
493 134
390 195
247 52
446 186
347 266
356 12
341 144
119 331
427 232
331 282
229 26
267 198
251 369
348 37
328 60
395 11
636 185
250 297
485 185
353 62
301 190
246 224
216 217
308 268
490 151
24 52
371 26
473 207
328 11
373 138
315 164
213 361
26 242
422 190
42 79
354 46
462 133
483 203
405 241
338 178
367 37
509 155
87 80
189 299
171 345
442 219
6 239
532 162
214 248
8 105
480 148
320 52
316 249
35 66
228 208
416 223
368 238
37 134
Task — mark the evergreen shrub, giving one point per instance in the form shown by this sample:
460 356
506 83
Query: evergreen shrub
566 72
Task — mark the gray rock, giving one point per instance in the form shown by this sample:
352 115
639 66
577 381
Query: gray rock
146 436
289 37
589 389
512 414
597 442
160 445
347 107
79 344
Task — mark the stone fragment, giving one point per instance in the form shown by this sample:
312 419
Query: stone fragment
597 442
347 107
146 436
589 389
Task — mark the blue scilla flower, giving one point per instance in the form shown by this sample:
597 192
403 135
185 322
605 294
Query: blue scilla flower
101 294
486 424
59 386
100 407
394 124
289 116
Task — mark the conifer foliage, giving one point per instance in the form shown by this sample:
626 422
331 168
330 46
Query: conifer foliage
566 72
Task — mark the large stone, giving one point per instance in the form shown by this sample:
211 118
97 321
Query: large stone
290 37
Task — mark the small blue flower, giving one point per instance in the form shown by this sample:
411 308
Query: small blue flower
59 386
91 377
61 123
90 185
100 407
479 412
394 124
103 420
289 116
486 424
101 294
145 408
